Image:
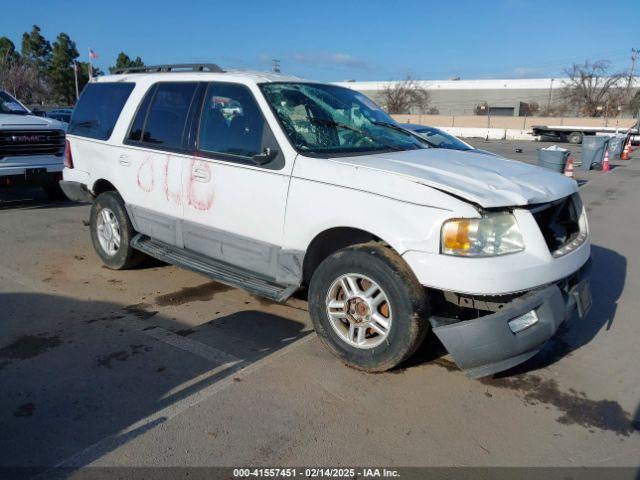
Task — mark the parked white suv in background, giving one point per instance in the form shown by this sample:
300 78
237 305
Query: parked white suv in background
31 148
271 184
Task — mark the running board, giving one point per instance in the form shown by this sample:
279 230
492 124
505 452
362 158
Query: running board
214 269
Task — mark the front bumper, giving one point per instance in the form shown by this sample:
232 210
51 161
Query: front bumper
486 345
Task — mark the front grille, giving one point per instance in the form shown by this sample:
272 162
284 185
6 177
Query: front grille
31 142
559 223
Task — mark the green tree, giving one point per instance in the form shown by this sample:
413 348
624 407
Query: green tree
83 73
8 54
61 76
123 61
36 50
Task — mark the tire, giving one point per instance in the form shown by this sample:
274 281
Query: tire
53 191
406 307
575 138
110 205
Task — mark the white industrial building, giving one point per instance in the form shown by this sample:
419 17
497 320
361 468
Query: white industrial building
510 97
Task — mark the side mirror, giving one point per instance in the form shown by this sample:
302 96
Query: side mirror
267 155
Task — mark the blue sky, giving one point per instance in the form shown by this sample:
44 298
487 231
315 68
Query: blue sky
337 40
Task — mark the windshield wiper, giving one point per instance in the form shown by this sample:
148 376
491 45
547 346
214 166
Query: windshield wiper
333 123
405 131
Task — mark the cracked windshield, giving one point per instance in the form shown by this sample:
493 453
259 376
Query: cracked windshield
325 119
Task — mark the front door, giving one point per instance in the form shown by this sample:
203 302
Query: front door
234 208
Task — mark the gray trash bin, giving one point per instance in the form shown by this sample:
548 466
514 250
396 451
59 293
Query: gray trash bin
616 144
553 158
593 148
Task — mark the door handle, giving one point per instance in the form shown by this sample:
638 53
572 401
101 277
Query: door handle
201 175
124 160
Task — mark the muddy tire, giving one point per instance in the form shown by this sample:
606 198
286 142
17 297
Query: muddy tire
368 307
112 231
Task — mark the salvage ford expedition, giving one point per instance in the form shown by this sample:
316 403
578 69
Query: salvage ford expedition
274 184
31 148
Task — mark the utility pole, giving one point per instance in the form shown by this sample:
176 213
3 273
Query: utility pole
549 99
276 66
75 75
632 68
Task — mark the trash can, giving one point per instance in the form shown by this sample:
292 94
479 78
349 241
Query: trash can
593 148
616 144
554 158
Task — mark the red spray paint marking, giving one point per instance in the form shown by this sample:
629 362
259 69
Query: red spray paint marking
145 175
171 194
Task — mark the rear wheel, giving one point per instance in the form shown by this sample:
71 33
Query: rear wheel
368 307
112 231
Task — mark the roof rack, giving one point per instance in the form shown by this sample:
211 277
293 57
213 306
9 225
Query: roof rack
175 67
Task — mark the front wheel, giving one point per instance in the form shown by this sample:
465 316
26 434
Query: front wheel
367 307
112 231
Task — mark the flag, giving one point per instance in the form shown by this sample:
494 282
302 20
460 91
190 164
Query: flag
92 54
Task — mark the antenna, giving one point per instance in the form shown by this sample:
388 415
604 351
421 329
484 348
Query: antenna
276 65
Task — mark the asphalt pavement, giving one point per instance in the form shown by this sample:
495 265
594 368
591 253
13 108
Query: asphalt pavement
161 367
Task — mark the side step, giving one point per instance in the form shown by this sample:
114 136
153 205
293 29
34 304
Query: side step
214 269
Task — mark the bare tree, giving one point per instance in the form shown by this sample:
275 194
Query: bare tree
593 91
23 82
405 95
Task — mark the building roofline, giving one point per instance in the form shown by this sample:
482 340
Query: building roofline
489 84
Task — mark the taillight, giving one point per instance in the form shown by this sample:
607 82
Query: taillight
68 159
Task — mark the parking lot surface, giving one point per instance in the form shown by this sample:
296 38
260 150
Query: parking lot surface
159 366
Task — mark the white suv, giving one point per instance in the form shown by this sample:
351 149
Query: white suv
272 184
31 148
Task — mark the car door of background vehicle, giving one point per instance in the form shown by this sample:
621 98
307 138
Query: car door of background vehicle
233 208
152 162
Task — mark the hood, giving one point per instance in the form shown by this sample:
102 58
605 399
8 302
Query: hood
486 180
29 122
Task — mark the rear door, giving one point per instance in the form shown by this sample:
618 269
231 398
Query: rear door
150 166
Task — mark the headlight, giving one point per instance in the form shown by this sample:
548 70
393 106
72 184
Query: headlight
493 234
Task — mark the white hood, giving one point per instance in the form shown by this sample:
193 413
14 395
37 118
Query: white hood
483 179
8 120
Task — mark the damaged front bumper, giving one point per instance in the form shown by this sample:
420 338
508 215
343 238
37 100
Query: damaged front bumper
487 345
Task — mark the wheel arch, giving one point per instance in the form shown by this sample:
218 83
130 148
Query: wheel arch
102 185
330 241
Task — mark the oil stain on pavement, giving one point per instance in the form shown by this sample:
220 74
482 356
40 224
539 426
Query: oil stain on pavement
576 407
106 361
200 293
27 346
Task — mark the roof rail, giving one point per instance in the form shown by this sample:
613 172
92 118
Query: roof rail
175 67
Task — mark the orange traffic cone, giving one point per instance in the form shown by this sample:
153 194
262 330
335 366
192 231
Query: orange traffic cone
605 163
625 152
568 169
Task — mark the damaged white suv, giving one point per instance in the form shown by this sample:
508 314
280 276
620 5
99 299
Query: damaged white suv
273 184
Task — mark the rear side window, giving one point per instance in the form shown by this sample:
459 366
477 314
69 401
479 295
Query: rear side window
98 109
135 134
163 123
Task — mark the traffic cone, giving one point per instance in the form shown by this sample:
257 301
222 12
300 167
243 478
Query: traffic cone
605 163
568 169
625 151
